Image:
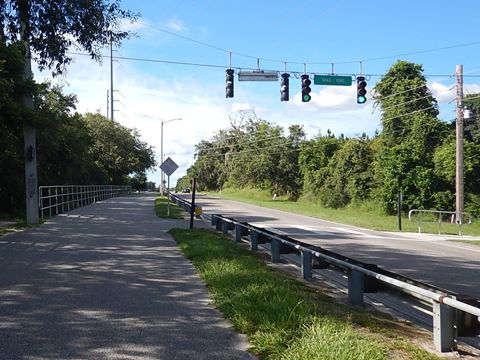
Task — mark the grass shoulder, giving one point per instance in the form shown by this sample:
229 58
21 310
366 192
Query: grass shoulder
286 319
470 242
162 209
367 215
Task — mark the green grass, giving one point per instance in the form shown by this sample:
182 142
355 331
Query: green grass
285 319
367 215
471 242
161 207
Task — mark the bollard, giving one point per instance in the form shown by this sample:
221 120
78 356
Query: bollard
306 264
355 287
275 250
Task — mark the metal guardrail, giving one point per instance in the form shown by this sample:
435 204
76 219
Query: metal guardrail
451 317
53 200
439 215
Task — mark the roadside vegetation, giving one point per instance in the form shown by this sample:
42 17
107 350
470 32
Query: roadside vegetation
471 242
285 319
72 148
161 209
367 215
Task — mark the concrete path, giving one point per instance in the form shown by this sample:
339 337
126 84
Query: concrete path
107 282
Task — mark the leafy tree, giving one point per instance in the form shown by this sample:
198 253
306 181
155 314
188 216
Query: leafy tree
51 27
45 30
411 132
472 124
349 174
117 151
313 160
138 181
12 183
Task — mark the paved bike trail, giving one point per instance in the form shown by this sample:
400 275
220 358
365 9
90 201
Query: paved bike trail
107 281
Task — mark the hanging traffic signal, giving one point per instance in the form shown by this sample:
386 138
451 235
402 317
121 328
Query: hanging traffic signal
229 83
361 91
284 87
306 88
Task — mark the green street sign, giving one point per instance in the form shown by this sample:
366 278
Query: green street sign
332 80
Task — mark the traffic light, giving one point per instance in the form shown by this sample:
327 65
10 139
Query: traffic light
284 90
306 88
229 83
361 91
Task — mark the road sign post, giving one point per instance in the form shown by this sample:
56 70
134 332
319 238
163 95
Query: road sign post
168 167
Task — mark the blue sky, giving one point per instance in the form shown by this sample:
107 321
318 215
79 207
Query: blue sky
318 33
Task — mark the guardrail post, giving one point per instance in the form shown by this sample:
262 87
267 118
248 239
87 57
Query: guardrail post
306 265
275 250
254 235
225 227
240 231
213 220
355 287
443 327
219 224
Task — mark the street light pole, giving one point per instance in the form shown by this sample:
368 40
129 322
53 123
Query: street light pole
162 174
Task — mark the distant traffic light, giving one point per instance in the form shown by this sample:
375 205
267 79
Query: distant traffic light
361 91
306 82
229 83
284 87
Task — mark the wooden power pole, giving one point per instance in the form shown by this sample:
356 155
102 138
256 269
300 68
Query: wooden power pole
459 146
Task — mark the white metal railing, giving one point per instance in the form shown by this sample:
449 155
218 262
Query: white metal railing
53 200
439 217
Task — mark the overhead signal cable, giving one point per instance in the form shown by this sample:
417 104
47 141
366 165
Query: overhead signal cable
473 43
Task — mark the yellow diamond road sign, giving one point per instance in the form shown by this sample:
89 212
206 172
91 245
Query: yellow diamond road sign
169 166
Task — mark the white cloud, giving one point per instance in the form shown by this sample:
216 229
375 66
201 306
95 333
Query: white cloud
471 88
442 93
175 25
127 25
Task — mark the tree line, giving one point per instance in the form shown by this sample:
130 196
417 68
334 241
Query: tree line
72 148
414 153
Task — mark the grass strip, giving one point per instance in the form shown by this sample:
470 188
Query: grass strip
284 318
161 209
470 242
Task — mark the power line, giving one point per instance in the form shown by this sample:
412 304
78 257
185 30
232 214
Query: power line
455 46
185 63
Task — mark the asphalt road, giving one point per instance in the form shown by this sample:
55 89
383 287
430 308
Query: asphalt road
427 258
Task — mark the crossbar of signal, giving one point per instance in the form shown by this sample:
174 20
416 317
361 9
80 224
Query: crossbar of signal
285 84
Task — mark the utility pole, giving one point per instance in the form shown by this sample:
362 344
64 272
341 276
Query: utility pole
459 146
29 138
108 99
111 79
